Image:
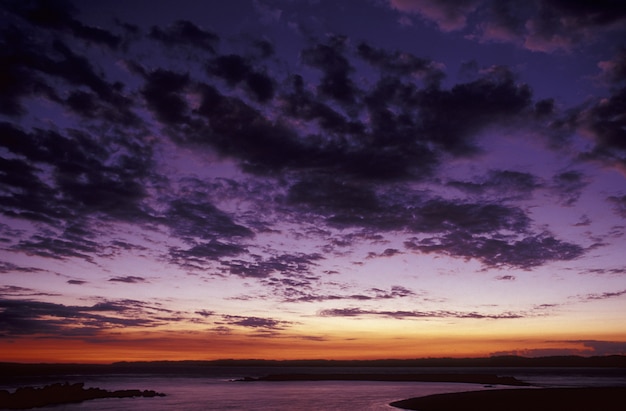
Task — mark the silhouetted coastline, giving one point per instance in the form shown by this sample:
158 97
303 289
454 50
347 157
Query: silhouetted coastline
198 367
490 379
54 394
543 399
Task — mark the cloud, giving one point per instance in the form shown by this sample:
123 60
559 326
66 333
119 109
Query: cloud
542 26
205 313
560 25
619 205
614 70
129 279
7 267
402 315
332 148
402 64
235 69
569 186
202 255
336 82
287 264
501 183
306 292
606 271
601 296
506 278
499 251
58 15
449 15
162 93
184 33
605 123
76 282
268 324
27 317
16 291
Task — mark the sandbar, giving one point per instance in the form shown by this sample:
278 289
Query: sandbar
523 399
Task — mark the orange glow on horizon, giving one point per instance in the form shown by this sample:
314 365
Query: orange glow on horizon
166 347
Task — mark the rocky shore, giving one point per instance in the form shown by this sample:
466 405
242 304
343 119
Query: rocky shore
31 397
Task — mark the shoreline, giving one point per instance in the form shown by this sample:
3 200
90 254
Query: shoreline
485 379
536 399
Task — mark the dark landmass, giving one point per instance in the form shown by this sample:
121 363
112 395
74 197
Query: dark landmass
452 377
31 397
8 369
544 399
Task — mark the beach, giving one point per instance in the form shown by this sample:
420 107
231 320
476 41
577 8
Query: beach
542 399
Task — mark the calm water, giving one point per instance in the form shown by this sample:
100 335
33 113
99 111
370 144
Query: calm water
216 391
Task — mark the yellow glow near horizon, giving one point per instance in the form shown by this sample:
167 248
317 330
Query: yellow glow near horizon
166 346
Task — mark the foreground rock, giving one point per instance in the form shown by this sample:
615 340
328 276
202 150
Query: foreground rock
489 379
543 399
30 397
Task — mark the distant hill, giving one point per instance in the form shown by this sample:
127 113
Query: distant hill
8 370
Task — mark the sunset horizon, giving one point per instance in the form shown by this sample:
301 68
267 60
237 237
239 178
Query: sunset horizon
278 180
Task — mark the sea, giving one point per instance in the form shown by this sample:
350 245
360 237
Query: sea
217 387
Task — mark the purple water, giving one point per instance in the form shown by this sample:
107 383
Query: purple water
217 391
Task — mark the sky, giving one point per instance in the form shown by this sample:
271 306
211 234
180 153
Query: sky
281 179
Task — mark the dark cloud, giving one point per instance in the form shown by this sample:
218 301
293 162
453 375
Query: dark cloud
256 322
500 251
205 313
235 69
619 204
129 279
6 268
287 264
336 82
449 15
59 249
402 315
27 317
162 92
502 183
185 33
59 15
561 24
201 255
16 79
403 64
543 26
602 296
16 291
569 186
475 105
302 104
389 252
544 108
506 278
76 282
309 294
606 271
614 71
265 48
606 122
191 219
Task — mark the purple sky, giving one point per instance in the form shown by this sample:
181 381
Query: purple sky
316 172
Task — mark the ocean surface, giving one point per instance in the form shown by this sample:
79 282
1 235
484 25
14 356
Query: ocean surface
216 388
